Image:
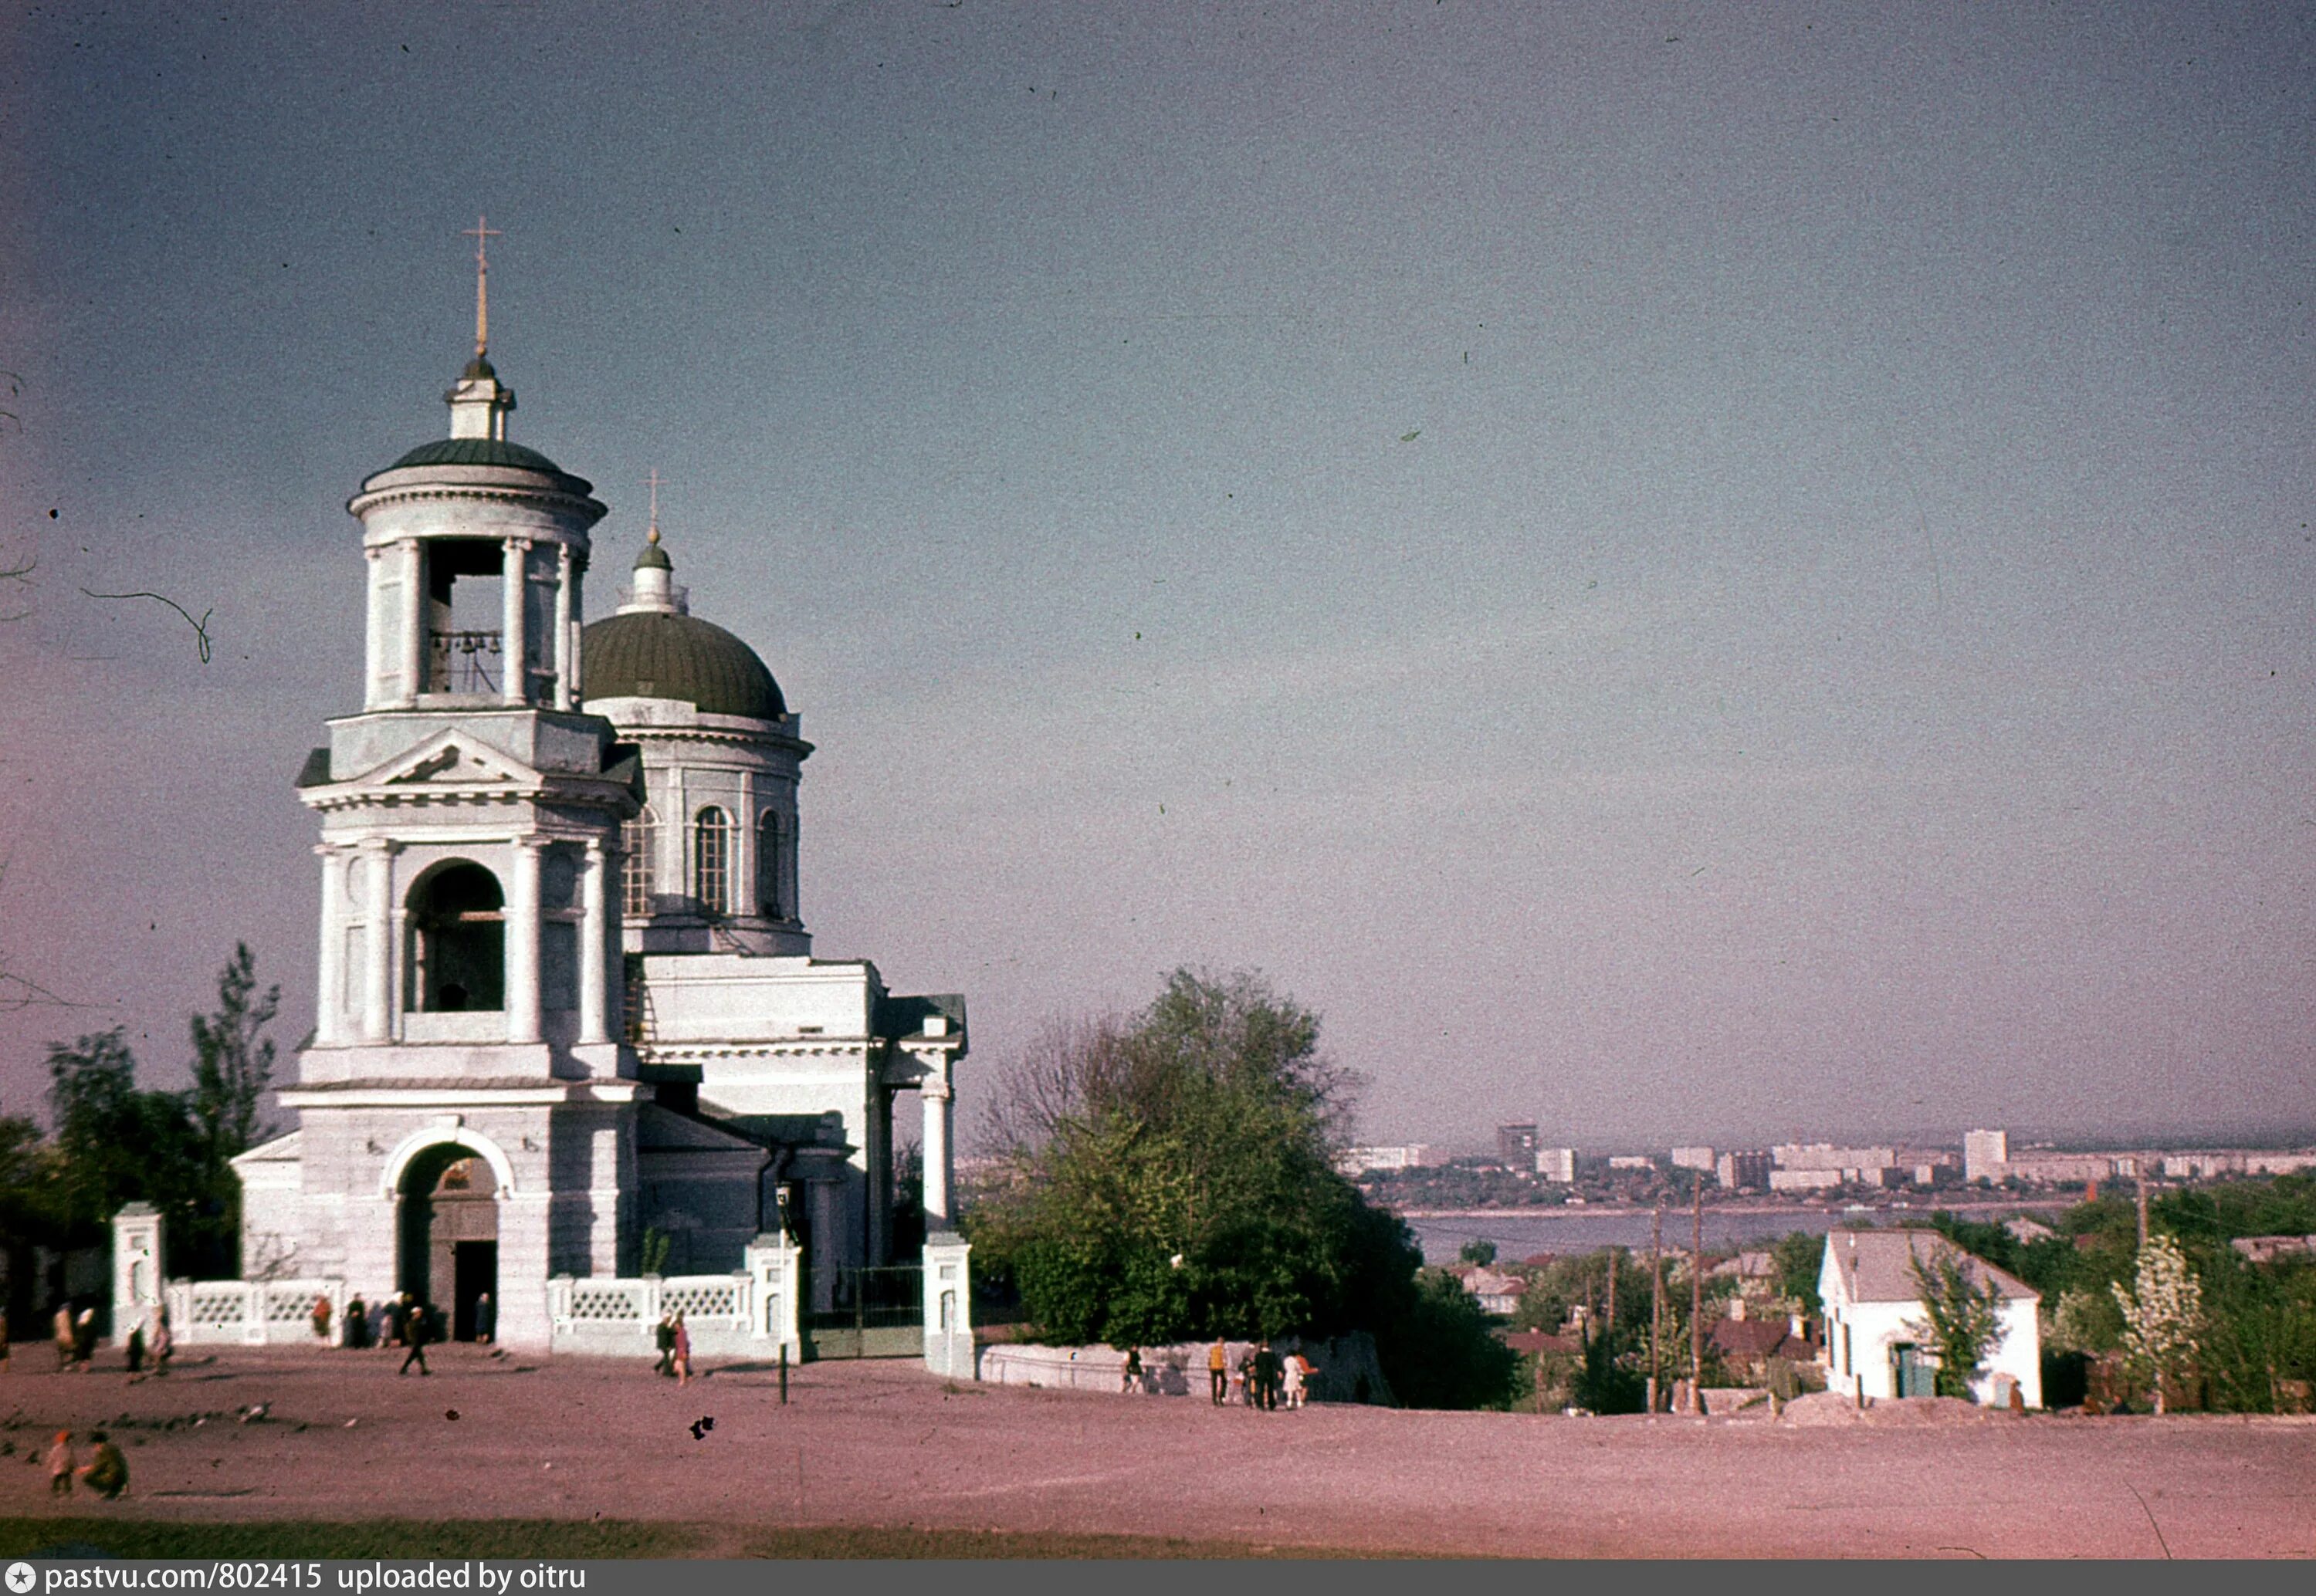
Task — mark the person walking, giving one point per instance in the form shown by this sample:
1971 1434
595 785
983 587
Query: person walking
64 1334
1266 1376
486 1319
322 1318
163 1343
682 1352
1129 1379
1218 1371
85 1339
357 1322
415 1331
60 1465
107 1473
136 1348
664 1338
398 1320
1242 1377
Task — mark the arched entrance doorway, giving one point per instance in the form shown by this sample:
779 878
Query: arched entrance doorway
449 1251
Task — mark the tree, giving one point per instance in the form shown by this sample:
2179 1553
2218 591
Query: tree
1800 1258
233 1063
1961 1318
1479 1250
1172 1176
2162 1316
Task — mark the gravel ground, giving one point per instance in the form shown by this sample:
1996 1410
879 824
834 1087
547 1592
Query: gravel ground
884 1443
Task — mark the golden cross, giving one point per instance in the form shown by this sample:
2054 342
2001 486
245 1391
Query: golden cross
654 479
481 233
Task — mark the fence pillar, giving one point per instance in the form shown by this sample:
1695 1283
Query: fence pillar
136 1278
949 1306
773 1268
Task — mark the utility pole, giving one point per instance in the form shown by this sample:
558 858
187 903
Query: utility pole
1611 1325
2143 1213
1656 1300
1696 1296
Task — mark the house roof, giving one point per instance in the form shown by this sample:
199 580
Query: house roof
1540 1340
1878 1265
1760 1338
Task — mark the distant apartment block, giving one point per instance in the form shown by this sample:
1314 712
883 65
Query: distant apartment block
1698 1159
1515 1146
2209 1165
1743 1171
2060 1169
1556 1164
1820 1165
1368 1160
1620 1161
1984 1155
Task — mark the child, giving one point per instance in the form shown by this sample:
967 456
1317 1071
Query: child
107 1473
60 1465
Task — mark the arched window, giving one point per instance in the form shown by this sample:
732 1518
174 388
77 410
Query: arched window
711 860
639 836
768 866
457 955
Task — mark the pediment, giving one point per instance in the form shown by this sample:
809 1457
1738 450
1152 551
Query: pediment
449 759
659 1130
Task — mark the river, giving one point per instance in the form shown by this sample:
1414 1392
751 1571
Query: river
1523 1232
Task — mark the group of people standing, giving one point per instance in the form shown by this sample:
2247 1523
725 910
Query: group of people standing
1263 1380
402 1320
75 1335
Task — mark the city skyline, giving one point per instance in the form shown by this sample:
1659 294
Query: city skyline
1707 573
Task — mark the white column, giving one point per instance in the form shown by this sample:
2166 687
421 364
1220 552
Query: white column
329 1003
596 939
379 939
374 640
522 996
939 1106
562 639
516 686
413 620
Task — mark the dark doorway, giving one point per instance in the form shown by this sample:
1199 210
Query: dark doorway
450 1233
475 1269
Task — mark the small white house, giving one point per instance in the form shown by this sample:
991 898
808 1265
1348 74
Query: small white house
1878 1340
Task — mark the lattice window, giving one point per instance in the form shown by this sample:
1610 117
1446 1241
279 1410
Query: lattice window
288 1305
607 1302
702 1300
639 836
711 860
221 1308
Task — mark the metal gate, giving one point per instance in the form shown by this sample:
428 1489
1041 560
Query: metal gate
872 1313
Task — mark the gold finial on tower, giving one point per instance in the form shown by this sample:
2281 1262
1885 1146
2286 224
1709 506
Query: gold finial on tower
481 233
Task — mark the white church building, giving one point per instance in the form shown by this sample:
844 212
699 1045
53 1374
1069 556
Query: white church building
568 1020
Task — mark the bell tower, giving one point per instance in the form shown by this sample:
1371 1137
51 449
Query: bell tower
468 1030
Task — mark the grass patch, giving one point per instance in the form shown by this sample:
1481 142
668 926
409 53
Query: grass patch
564 1538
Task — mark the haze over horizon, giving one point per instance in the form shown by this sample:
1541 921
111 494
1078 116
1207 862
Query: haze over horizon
1681 572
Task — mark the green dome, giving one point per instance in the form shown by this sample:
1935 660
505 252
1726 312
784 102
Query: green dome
659 654
486 451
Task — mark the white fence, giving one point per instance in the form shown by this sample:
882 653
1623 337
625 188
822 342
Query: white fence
249 1313
726 1313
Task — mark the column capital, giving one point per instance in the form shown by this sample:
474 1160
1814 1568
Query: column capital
375 846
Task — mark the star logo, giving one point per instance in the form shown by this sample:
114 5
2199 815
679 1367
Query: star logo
20 1577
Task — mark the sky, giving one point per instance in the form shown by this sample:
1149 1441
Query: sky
1686 574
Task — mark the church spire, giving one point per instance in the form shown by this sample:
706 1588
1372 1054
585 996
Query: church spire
481 233
655 586
479 402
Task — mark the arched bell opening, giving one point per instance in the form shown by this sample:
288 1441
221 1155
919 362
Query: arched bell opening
458 940
449 1254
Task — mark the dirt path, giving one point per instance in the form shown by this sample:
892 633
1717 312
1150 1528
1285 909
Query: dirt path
884 1443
